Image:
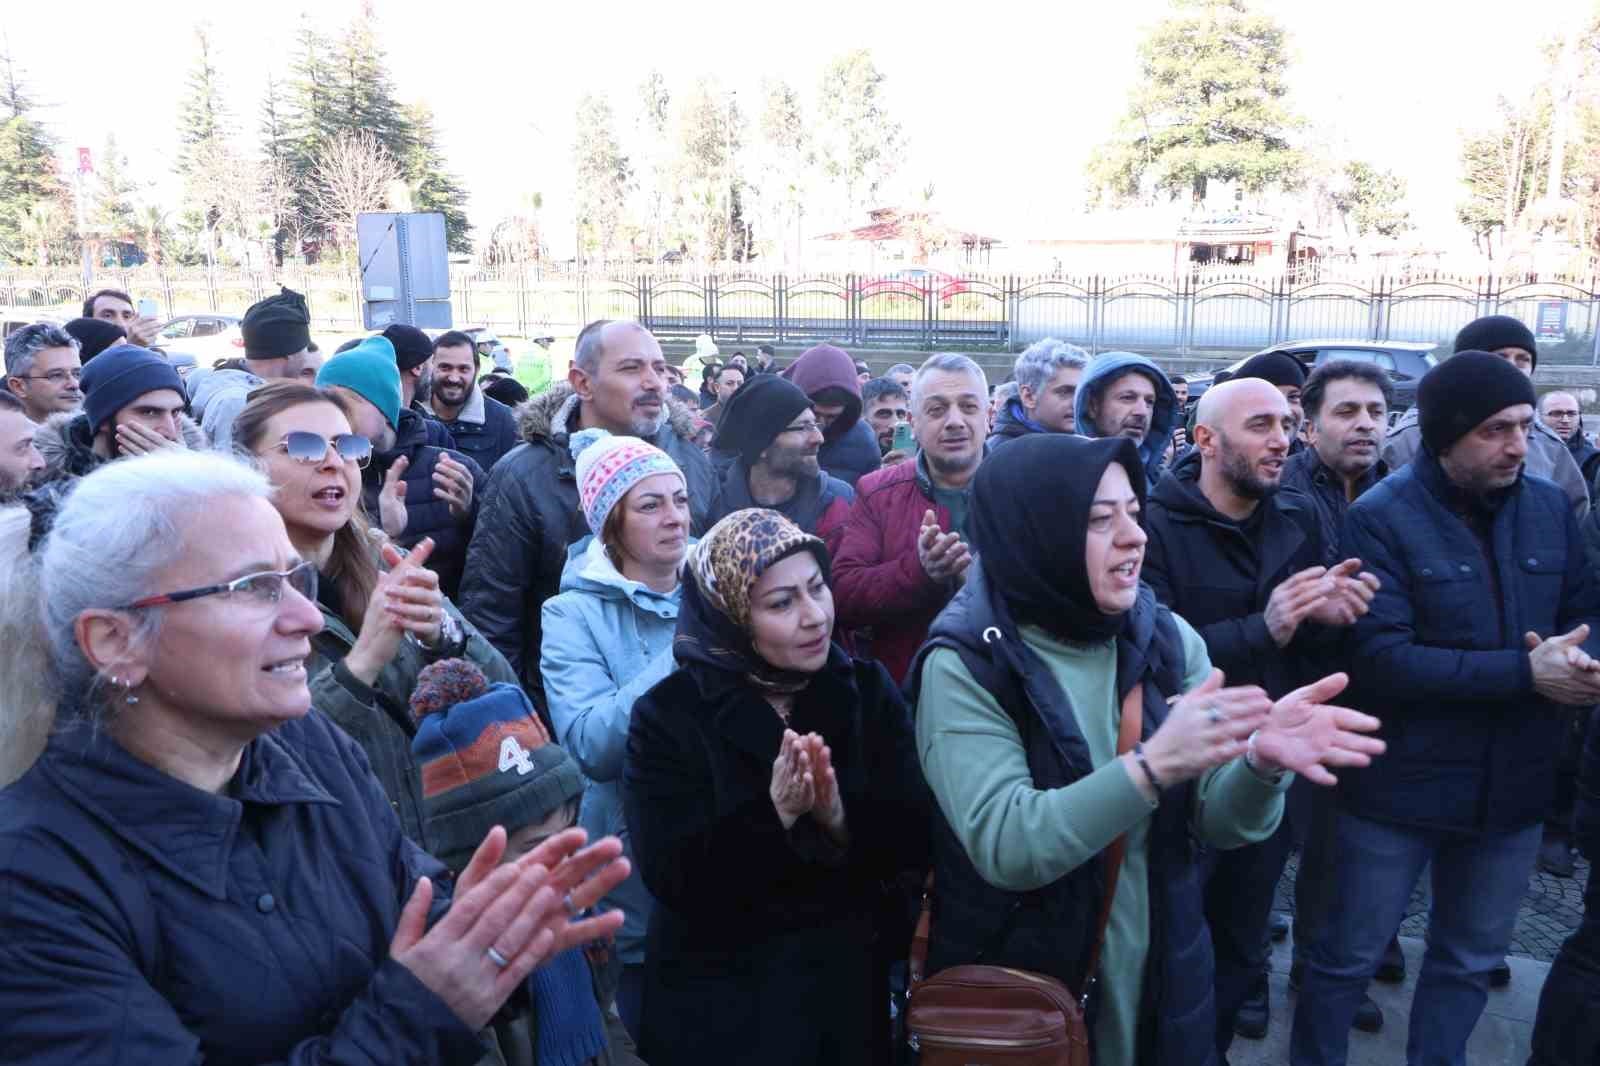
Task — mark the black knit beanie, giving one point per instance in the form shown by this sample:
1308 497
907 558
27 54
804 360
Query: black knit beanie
412 347
94 336
1493 332
755 415
1459 393
1276 368
276 327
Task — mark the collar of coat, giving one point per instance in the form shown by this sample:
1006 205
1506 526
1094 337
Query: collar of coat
551 415
187 832
472 412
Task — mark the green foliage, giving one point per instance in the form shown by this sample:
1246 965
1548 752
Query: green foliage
433 187
708 136
33 199
362 96
1210 105
859 143
112 215
1370 200
202 112
604 175
1500 166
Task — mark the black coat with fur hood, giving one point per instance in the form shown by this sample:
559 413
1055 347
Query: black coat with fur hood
528 515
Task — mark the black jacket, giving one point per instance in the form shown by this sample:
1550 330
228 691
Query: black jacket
1218 575
1586 455
1306 474
423 441
486 440
528 515
760 943
1051 930
1440 657
854 455
1009 424
149 922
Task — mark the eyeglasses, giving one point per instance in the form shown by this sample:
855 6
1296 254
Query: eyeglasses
256 590
306 447
56 377
810 425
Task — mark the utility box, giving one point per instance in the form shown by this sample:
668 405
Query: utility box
405 270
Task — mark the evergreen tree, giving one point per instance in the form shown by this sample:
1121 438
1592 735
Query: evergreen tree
363 94
30 182
112 215
433 186
604 174
309 119
202 113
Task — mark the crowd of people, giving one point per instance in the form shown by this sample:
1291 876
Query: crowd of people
352 713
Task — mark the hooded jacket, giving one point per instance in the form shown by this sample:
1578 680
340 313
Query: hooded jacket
1108 367
217 397
528 515
607 641
849 447
819 506
68 447
418 441
1012 422
1548 457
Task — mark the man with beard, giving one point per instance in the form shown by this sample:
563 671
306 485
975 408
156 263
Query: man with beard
904 551
1347 407
529 514
884 406
1244 565
413 357
828 375
770 425
483 427
1560 411
1127 395
1486 623
20 461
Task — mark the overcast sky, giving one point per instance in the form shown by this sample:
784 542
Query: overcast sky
1002 100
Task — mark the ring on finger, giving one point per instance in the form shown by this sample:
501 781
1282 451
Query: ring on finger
499 960
1215 716
572 908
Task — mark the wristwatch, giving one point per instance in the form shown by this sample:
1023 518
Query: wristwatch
452 642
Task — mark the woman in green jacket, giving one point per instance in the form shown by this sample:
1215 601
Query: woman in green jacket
380 626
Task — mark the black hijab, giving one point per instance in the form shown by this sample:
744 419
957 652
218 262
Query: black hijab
1030 523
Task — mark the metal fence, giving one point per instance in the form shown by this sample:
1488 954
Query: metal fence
977 312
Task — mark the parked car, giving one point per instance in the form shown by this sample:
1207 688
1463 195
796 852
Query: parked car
917 282
206 337
14 318
1405 361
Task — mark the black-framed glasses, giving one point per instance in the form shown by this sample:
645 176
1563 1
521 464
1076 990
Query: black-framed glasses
810 425
306 447
263 589
56 377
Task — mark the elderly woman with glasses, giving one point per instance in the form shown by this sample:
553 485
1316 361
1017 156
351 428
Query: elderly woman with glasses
200 867
380 627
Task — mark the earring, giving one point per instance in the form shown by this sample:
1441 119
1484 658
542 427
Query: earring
129 698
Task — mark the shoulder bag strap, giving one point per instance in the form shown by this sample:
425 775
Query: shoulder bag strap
1127 736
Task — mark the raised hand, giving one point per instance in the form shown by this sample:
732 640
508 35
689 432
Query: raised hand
793 789
1351 597
828 805
395 606
1207 727
392 498
452 483
944 556
1293 601
1306 734
135 438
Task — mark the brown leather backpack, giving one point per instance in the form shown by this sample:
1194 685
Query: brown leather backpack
979 1015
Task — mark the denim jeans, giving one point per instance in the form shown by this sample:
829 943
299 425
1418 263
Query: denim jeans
1478 883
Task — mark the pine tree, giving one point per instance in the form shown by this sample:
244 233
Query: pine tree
29 173
202 114
309 119
363 94
433 187
112 215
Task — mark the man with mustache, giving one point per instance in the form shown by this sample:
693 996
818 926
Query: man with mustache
20 461
1347 407
529 514
1127 395
772 428
482 426
1244 564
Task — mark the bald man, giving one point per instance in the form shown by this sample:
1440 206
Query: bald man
1242 563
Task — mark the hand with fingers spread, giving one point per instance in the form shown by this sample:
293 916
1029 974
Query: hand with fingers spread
401 601
944 556
506 919
135 438
392 498
452 483
1351 595
1306 734
793 789
1207 727
1562 670
143 331
1293 601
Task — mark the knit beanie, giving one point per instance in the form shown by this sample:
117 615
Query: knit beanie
1493 332
369 371
1459 393
1275 368
120 376
412 347
276 327
608 466
486 760
94 335
754 416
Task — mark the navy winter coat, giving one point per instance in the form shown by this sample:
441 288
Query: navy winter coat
149 922
423 441
1440 656
484 429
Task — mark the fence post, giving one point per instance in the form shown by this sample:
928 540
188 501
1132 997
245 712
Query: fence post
712 309
1185 313
780 300
1094 314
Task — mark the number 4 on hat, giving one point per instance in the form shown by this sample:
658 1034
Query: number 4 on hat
514 756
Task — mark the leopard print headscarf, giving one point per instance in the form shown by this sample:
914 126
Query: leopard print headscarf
735 552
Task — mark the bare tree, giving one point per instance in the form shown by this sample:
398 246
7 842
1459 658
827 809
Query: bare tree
352 174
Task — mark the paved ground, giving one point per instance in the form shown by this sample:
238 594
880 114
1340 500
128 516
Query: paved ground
1550 911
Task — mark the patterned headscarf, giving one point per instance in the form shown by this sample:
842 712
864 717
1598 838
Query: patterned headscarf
714 619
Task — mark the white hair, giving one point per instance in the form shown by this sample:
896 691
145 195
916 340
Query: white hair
1041 360
948 363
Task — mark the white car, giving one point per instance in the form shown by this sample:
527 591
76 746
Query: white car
206 337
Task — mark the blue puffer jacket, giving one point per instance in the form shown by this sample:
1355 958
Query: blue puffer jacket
1108 367
150 922
1440 656
607 640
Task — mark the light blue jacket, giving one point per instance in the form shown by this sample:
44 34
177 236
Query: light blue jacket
606 642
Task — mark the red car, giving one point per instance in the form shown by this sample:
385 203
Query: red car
918 282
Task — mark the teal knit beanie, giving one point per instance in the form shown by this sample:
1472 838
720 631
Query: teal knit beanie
369 371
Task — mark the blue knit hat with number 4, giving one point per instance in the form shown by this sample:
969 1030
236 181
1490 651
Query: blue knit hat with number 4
486 760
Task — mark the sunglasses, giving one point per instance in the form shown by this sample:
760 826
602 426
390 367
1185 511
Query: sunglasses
305 447
264 589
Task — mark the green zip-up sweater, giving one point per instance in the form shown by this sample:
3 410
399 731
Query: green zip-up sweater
1021 838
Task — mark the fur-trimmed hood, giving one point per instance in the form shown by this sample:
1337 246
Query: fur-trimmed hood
548 415
68 447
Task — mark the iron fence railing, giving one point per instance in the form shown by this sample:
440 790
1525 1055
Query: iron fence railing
1171 316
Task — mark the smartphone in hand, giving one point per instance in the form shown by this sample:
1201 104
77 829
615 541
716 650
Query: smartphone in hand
903 440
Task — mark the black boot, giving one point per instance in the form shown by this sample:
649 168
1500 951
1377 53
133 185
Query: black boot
1500 976
1555 855
1369 1016
1392 969
1255 1013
